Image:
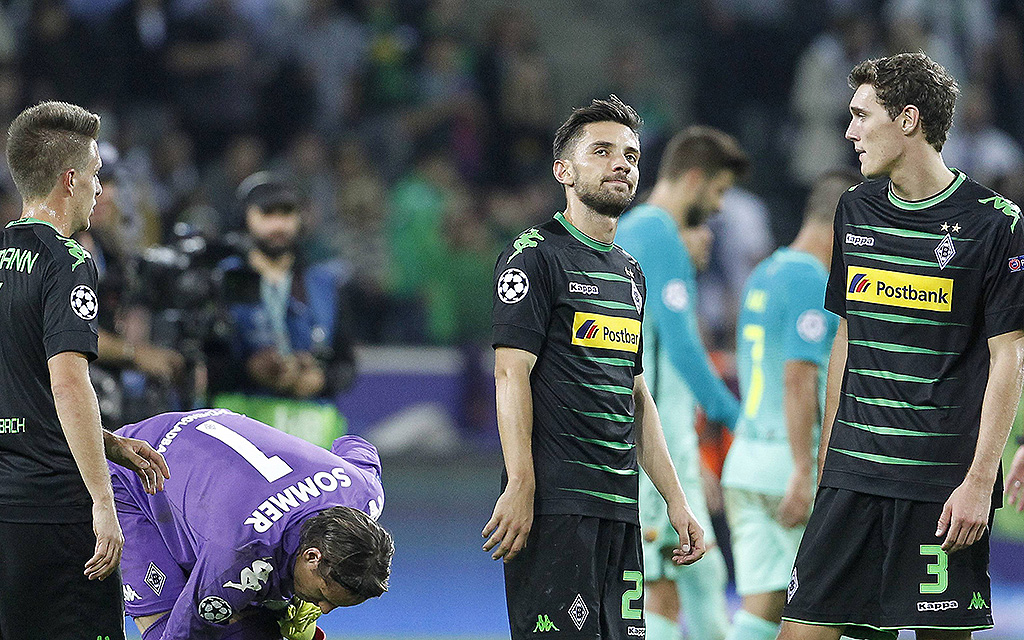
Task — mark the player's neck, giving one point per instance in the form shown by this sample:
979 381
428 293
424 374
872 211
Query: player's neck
50 214
667 197
816 240
922 177
591 223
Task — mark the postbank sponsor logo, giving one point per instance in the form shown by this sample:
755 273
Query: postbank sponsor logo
896 289
605 332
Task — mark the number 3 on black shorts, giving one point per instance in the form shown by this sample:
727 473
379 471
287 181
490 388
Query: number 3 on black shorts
939 569
632 595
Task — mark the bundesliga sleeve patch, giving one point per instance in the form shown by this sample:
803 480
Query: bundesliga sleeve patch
84 302
513 285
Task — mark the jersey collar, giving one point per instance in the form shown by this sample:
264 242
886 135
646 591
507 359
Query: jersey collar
917 205
24 221
582 237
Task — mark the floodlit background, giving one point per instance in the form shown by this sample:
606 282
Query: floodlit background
418 134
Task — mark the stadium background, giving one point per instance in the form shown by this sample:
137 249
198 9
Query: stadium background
418 132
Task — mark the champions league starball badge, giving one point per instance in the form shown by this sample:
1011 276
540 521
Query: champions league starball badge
513 285
84 302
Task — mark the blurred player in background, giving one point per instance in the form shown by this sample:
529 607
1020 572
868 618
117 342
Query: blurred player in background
57 510
927 281
783 341
258 533
574 413
1015 478
669 237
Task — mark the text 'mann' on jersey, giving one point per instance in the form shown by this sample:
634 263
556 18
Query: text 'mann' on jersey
48 305
922 285
578 305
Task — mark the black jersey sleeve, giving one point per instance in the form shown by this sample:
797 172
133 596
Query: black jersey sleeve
835 291
1004 278
523 299
70 307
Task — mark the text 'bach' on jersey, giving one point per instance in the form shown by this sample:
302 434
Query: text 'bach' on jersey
922 285
48 305
577 304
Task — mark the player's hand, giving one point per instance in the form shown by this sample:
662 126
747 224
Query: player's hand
795 507
164 364
109 541
691 535
510 524
140 457
1014 489
965 515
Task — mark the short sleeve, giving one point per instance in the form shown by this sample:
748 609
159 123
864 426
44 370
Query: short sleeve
835 290
71 306
523 300
1004 278
808 328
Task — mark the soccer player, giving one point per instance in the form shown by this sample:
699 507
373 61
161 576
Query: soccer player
574 413
698 166
56 506
783 337
258 532
923 379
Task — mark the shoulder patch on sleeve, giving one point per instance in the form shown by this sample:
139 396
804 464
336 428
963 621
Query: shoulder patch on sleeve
675 295
513 285
215 609
811 325
84 302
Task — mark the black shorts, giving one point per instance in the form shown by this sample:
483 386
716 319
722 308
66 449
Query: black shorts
46 595
580 575
874 565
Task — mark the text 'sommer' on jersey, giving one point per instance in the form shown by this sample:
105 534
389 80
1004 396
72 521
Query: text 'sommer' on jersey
577 304
232 511
48 305
922 285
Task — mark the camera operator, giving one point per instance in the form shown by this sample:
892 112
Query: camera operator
288 338
124 344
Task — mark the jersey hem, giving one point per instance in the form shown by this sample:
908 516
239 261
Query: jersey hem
901 489
588 508
977 627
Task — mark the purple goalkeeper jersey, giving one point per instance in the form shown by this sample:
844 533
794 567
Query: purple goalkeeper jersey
231 513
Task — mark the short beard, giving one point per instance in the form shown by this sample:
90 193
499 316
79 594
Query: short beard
273 251
610 205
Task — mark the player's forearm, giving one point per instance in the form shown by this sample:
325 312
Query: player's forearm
652 450
514 403
79 415
999 405
801 411
833 389
688 356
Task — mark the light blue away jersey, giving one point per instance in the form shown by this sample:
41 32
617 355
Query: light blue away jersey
782 318
676 366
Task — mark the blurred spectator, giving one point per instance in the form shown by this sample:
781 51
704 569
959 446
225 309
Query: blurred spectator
976 146
820 98
56 61
387 78
244 156
1007 83
306 166
288 339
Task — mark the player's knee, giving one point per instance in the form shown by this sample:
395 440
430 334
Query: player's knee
660 597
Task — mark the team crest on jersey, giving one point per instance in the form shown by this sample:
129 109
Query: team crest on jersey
513 285
578 612
155 578
84 302
638 300
794 584
215 609
945 251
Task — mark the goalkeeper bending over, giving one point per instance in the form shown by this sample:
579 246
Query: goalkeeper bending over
256 533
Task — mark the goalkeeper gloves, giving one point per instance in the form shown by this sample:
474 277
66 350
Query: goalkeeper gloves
299 621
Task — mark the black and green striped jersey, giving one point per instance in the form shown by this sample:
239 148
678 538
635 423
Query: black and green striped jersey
577 304
922 285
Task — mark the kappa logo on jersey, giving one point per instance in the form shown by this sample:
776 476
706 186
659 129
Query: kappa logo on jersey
526 240
84 302
605 332
76 251
513 285
860 241
130 594
585 289
896 289
1016 264
215 609
254 577
1008 209
938 606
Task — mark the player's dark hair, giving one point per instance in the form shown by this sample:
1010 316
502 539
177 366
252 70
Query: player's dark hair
355 550
912 78
826 191
46 140
704 148
610 110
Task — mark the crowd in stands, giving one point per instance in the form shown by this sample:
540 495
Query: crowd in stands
418 132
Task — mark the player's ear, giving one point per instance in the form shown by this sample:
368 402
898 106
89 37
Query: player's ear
909 119
563 172
67 182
